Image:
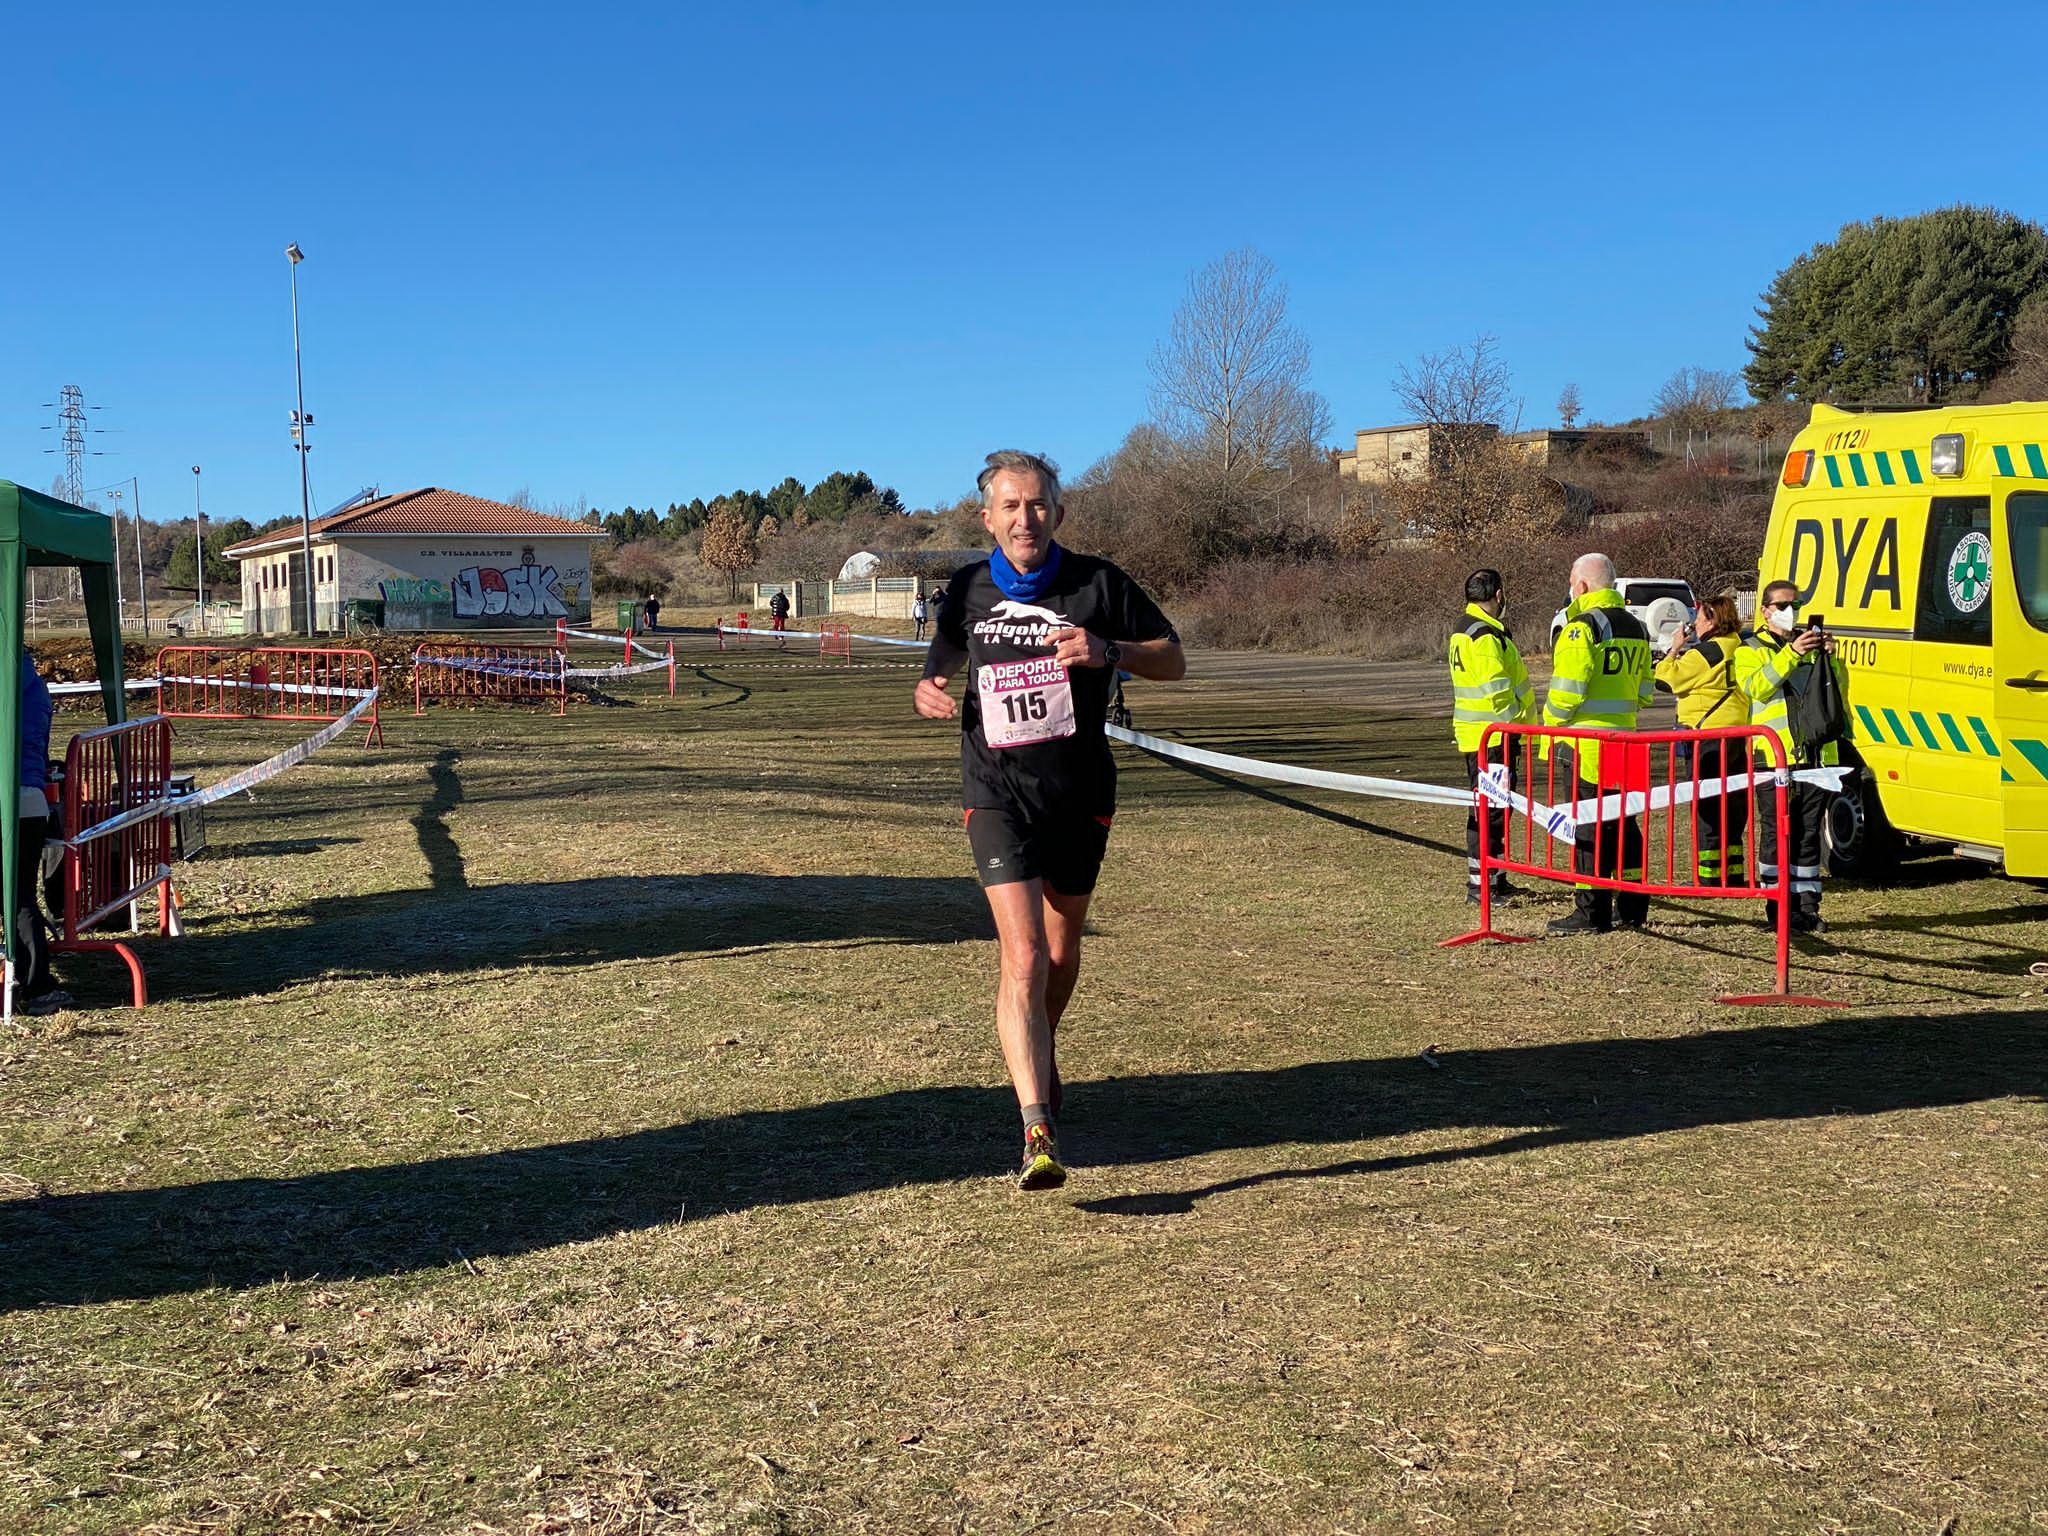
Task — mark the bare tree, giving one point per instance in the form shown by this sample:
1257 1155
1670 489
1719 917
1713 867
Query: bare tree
2026 376
1693 398
1231 380
1568 407
1465 386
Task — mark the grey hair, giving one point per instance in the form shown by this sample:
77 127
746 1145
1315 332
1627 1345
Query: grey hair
1598 570
1016 459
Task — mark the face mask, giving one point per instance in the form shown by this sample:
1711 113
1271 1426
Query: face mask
1783 616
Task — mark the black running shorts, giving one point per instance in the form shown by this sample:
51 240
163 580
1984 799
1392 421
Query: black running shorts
1066 853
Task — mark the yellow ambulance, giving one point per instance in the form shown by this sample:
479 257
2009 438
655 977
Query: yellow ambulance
1920 539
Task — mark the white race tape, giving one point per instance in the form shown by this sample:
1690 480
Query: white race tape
242 682
585 634
1309 778
495 666
619 671
133 685
1563 821
234 784
271 767
812 634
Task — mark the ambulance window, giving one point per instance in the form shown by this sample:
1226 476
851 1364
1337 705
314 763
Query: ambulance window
1955 573
2026 522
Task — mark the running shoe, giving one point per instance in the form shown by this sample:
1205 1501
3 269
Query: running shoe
1042 1166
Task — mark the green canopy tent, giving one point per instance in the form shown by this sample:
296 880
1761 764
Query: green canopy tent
41 530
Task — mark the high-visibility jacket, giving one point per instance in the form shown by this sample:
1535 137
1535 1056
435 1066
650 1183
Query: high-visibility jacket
1701 677
1762 665
1488 681
1599 674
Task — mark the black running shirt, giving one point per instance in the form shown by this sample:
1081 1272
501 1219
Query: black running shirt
1057 762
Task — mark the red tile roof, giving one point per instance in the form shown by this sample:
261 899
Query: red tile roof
428 510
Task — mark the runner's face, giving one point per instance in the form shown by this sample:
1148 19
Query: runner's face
1019 518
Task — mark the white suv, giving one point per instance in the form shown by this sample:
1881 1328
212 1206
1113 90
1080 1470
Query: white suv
1662 605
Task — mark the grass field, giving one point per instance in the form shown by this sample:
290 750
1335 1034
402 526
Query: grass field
595 1125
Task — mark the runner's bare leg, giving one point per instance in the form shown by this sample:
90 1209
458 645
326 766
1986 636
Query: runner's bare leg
1022 1024
1064 916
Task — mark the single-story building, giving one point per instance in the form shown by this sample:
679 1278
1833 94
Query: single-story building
426 560
1412 451
216 618
1550 446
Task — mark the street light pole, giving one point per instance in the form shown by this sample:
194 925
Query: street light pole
199 547
141 576
301 421
120 598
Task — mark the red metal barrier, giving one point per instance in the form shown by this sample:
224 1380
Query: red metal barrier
197 682
111 861
497 674
835 638
1628 766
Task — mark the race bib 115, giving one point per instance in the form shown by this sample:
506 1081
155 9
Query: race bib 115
1025 701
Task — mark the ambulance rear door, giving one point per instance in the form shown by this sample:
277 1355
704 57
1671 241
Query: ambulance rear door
2020 660
1951 724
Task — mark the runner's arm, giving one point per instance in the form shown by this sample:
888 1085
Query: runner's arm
941 661
1159 661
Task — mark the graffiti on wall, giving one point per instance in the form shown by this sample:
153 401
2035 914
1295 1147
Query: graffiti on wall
409 590
518 591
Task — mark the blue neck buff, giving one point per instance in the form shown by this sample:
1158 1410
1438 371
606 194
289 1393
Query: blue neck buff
1023 586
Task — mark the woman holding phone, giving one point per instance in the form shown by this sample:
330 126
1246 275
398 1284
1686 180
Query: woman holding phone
1700 674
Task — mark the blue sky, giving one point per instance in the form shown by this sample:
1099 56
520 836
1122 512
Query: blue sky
632 252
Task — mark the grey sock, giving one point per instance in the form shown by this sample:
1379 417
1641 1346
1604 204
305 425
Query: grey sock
1037 1114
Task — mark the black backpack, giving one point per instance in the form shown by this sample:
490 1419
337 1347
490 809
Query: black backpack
1816 713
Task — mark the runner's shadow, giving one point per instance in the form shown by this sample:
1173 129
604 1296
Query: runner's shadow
348 1223
430 824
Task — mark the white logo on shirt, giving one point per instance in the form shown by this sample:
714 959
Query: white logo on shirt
1019 623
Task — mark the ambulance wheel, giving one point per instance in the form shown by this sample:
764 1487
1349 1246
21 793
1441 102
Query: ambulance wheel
1860 840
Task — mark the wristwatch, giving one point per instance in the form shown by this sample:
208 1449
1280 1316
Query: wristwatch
1112 653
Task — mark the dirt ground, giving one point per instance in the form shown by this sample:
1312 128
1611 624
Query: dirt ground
592 1126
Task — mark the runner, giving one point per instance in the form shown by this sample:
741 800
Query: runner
1042 632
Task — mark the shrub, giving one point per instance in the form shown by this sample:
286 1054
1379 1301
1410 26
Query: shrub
1401 602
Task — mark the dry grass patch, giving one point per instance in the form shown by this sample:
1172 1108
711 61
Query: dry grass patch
595 1126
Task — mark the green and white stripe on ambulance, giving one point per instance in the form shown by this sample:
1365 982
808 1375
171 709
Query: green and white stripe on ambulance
1901 466
1956 735
2030 464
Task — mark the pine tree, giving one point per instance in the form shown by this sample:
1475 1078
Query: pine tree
1918 309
